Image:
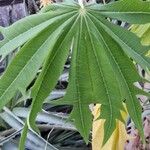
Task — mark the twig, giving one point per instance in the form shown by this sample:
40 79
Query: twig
6 139
35 6
7 132
46 127
104 1
48 137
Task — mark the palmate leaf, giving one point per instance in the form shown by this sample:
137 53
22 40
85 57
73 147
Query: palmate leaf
101 67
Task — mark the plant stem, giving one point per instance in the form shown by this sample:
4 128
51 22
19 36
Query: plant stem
104 2
81 3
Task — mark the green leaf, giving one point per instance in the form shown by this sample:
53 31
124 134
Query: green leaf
29 59
60 6
129 42
88 73
122 66
29 27
132 11
101 67
52 69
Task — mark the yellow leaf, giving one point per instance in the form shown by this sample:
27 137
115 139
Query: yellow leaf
118 138
142 31
45 2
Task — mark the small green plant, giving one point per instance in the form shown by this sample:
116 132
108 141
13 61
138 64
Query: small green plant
101 72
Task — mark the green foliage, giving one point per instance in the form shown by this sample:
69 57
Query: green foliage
101 68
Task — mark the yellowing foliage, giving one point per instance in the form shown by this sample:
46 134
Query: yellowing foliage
45 2
142 31
118 138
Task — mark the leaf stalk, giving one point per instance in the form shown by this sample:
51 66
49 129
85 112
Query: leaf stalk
81 3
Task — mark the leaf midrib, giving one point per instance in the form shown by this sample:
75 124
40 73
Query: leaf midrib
79 103
115 12
103 79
